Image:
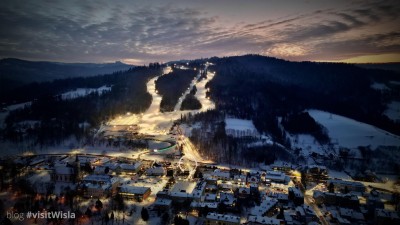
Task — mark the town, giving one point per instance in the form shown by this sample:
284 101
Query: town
102 189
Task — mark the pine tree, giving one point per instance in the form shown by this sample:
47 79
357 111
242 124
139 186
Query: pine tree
145 214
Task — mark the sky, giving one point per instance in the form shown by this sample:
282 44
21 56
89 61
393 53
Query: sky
143 31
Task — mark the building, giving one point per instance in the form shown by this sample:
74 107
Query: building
342 185
156 171
253 179
211 206
96 186
221 219
267 207
228 199
63 173
276 177
243 192
130 168
386 217
296 196
136 193
221 175
281 197
199 190
163 204
182 191
336 199
262 220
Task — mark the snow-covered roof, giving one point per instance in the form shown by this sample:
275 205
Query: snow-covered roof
226 198
199 189
126 166
156 171
275 176
96 178
266 205
111 165
221 174
346 183
386 213
210 197
296 192
223 217
211 205
241 177
134 190
98 186
163 202
183 189
63 170
264 220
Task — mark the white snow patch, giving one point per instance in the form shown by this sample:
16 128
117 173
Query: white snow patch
81 92
351 133
240 127
393 111
380 86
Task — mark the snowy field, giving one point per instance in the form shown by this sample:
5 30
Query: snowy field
241 127
380 86
81 92
351 133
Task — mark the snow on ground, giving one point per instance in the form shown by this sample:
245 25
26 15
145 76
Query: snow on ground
128 119
380 86
241 127
18 106
393 110
81 92
154 122
351 133
206 103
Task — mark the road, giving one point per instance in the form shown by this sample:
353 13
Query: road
308 200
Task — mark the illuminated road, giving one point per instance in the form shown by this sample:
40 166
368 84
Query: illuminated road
308 200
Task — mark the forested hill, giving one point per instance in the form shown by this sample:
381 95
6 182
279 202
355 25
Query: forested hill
266 88
17 72
128 93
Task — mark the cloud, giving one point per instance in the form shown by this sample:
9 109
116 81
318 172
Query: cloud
143 32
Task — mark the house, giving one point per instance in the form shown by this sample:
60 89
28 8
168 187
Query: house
296 196
281 197
221 175
343 185
97 186
276 177
156 171
228 199
219 219
211 206
266 208
243 192
199 190
130 168
337 199
263 220
163 204
253 179
136 193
